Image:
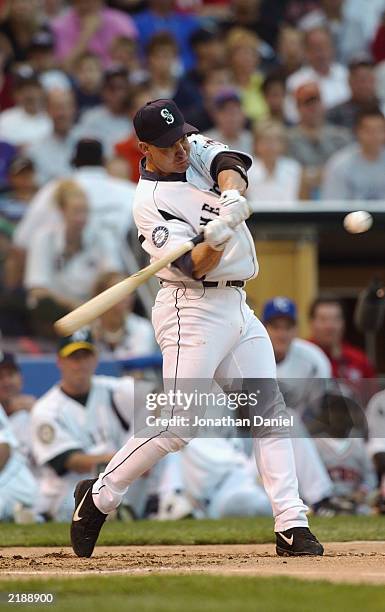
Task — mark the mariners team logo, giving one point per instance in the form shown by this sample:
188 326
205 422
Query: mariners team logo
167 116
160 236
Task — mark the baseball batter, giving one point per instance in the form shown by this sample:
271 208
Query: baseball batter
202 323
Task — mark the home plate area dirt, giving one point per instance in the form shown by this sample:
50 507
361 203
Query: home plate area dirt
342 562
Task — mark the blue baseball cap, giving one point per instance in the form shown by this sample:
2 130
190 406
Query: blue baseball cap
279 307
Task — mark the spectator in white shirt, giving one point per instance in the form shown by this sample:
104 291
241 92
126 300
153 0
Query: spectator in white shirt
357 172
273 178
230 121
110 199
28 121
110 123
119 331
332 78
52 154
65 259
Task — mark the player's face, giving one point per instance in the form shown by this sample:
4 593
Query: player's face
77 370
282 332
327 325
10 384
169 159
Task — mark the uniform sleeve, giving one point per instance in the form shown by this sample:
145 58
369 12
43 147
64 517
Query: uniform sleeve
50 438
204 151
39 266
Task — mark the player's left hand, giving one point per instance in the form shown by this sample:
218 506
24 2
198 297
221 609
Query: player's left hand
234 204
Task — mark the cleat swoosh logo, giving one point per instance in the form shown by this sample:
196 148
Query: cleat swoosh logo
76 516
287 540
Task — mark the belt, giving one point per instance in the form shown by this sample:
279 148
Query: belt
235 283
208 284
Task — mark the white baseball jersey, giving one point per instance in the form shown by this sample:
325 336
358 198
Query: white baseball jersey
60 424
375 414
170 212
348 464
17 483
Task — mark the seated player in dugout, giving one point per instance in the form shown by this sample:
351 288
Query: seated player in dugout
78 425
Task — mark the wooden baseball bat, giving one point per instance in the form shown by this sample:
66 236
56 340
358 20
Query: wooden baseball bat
91 310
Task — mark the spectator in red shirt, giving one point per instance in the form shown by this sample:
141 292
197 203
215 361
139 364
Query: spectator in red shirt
327 326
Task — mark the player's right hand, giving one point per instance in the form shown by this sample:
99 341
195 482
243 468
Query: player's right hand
217 233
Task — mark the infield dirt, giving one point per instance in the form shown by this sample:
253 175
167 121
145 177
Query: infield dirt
351 562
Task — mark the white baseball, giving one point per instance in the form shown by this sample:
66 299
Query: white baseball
358 222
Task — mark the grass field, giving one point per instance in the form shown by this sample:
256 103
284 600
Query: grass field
225 531
197 594
157 592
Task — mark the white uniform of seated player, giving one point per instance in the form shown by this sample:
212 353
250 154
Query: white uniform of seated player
19 487
78 425
302 373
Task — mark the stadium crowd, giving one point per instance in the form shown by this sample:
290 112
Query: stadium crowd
298 84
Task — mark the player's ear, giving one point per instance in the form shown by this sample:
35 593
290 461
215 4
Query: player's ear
143 147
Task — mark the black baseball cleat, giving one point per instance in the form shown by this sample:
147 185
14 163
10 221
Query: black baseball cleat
87 520
297 542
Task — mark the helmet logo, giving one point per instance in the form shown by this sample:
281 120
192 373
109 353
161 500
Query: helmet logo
167 116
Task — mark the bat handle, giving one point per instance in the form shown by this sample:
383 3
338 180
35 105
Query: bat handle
198 239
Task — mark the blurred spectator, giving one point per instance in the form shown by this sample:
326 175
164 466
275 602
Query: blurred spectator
313 141
327 327
6 84
357 172
19 487
160 16
78 425
125 53
52 8
272 177
378 43
331 77
41 57
274 90
29 112
119 331
64 260
22 186
209 51
214 81
110 199
290 49
89 26
110 122
230 121
88 82
344 452
163 69
244 62
7 154
246 14
346 29
52 155
16 32
128 149
362 83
